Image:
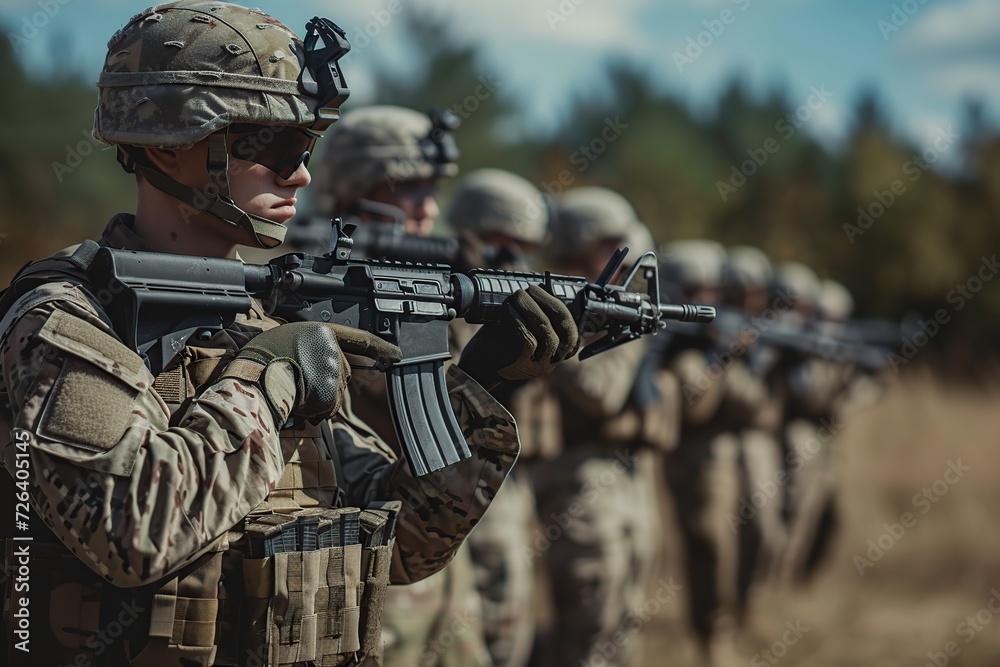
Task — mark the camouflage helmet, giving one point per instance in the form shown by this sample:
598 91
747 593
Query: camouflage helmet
748 267
835 301
694 263
497 201
178 73
799 281
583 217
386 144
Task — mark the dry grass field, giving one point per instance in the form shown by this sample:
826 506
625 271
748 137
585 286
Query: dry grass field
928 593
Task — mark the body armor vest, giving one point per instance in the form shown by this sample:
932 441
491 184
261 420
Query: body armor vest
298 581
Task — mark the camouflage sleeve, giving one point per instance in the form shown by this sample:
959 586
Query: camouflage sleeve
133 493
816 386
748 398
702 387
601 385
441 508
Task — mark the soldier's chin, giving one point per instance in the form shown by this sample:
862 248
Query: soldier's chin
281 214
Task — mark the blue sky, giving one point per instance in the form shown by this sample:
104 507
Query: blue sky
542 51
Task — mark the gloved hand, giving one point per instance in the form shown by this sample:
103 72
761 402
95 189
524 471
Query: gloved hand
535 332
301 366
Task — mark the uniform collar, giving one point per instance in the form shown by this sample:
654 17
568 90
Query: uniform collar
120 234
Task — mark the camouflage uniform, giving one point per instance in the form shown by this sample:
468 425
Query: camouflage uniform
815 391
137 518
506 209
724 449
764 537
148 484
596 503
438 621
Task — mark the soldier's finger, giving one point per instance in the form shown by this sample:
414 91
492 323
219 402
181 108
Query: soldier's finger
356 341
561 320
546 338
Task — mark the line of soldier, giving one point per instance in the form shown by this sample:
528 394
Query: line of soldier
720 427
754 477
194 494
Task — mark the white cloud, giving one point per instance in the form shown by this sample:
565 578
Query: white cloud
741 3
829 121
956 48
963 28
966 78
923 129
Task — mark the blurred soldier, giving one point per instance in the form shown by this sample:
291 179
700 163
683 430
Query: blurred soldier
763 537
656 395
815 389
503 211
802 285
160 483
595 508
723 403
381 166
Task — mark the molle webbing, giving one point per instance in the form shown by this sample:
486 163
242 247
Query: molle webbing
171 385
183 616
321 603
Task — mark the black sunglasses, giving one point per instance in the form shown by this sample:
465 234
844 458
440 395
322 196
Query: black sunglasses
281 149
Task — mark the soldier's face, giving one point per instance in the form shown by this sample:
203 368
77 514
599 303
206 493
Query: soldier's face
254 187
755 300
705 294
599 259
516 247
417 200
592 264
259 191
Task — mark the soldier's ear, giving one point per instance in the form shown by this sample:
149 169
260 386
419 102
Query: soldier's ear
165 161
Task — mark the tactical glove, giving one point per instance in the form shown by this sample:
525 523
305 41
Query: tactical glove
301 366
534 333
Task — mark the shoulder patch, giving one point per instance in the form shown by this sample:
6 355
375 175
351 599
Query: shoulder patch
83 339
90 404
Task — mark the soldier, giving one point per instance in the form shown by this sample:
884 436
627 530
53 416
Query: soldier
763 537
496 208
724 407
381 166
155 487
595 506
701 472
503 211
815 391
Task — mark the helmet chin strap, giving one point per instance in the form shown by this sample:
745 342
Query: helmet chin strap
259 231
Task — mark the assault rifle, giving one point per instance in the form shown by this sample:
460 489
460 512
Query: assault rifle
160 300
865 343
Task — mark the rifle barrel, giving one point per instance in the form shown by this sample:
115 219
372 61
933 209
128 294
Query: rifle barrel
686 312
